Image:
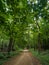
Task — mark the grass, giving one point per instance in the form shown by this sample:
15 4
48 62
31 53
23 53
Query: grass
3 58
42 56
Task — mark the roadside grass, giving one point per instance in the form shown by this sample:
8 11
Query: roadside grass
42 56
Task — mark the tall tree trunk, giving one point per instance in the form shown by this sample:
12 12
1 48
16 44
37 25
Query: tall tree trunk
39 38
39 43
10 44
13 45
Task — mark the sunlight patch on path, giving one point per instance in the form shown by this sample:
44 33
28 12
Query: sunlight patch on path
25 59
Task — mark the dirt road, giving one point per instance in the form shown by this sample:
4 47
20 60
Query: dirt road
25 58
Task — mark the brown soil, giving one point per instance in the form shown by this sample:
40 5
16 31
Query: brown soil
25 58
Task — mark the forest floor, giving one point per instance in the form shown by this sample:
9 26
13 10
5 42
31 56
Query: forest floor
25 58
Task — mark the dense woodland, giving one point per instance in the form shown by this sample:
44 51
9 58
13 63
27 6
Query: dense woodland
24 24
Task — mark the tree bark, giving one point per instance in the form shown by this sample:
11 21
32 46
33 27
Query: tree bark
39 43
10 44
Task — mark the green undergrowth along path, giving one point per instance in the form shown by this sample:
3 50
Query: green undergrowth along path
42 56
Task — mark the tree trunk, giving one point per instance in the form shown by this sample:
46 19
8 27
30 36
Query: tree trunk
10 44
39 43
13 45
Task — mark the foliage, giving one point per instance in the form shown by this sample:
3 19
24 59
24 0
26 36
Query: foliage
24 23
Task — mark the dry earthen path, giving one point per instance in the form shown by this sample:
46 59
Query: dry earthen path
25 58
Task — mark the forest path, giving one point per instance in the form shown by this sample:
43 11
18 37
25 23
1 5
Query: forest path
25 58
